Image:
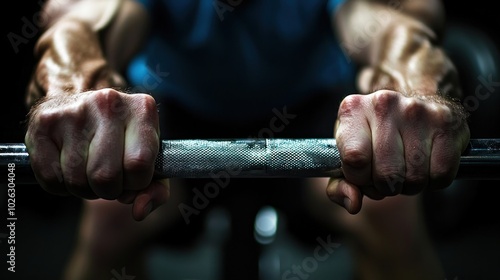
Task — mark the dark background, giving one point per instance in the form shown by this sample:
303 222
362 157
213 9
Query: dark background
38 208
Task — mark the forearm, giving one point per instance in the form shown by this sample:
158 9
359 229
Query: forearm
361 24
84 46
401 42
64 63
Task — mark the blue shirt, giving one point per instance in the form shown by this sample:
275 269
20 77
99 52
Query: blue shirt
239 62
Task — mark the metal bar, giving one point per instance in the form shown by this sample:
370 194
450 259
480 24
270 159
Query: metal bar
262 158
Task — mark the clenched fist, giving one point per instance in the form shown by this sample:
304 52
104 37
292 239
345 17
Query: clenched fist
395 144
97 144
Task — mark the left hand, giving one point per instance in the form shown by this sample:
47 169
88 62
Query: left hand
393 144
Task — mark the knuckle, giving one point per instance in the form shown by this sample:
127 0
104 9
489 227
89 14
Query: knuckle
75 115
444 115
349 105
75 160
146 105
47 117
107 94
384 101
141 161
52 114
355 158
416 158
104 176
414 109
147 101
108 102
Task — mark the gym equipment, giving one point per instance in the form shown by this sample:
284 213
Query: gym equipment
263 158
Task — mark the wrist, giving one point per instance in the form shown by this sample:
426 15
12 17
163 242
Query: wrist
407 58
65 65
402 38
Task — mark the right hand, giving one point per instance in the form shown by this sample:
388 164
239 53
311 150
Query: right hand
98 144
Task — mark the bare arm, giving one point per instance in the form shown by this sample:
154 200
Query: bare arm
85 45
410 127
397 43
85 137
363 24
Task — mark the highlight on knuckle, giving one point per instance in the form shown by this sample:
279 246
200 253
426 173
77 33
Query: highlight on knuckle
414 109
76 115
349 105
384 101
108 102
47 117
146 105
142 161
444 115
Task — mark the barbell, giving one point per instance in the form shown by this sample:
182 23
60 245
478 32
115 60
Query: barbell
261 158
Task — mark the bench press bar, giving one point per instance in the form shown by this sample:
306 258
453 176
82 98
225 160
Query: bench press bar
261 158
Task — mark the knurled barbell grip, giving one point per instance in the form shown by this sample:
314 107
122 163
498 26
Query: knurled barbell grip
249 158
264 158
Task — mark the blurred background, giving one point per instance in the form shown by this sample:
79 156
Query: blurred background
462 220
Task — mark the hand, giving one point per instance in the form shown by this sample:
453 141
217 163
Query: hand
98 144
394 144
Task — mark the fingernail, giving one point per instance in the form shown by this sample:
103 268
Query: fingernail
347 204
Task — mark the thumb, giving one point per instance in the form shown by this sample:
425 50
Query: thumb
147 200
345 194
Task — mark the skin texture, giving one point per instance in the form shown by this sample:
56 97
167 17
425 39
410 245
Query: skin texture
406 80
78 113
410 127
408 137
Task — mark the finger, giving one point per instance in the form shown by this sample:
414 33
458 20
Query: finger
344 194
444 162
149 199
73 164
388 154
353 138
46 165
447 147
417 161
417 146
141 143
104 167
